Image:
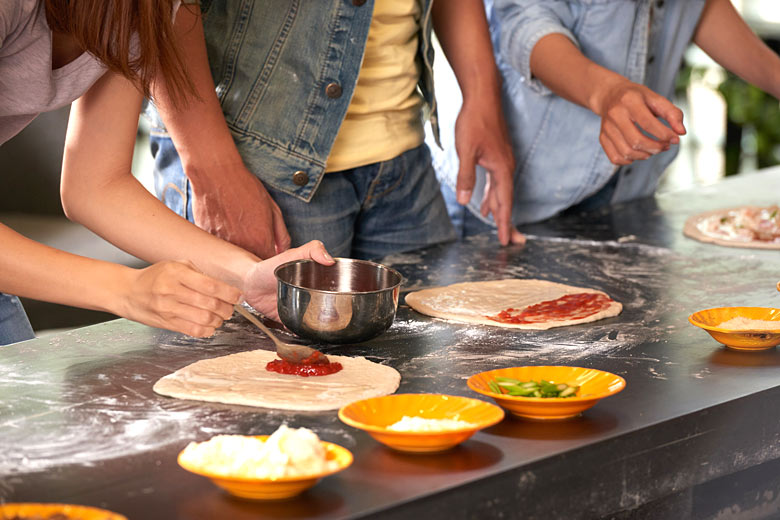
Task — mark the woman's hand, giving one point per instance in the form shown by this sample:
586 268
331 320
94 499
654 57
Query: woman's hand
176 296
260 283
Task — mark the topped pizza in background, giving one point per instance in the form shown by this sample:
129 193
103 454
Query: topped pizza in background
745 226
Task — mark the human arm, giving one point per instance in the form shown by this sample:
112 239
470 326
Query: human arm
481 136
727 39
99 191
621 104
228 201
169 295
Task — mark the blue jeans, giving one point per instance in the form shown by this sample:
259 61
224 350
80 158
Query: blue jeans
14 325
366 212
598 200
466 223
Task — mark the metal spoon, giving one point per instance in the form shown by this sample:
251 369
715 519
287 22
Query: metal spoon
299 354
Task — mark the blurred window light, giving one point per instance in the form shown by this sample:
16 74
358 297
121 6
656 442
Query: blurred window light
761 14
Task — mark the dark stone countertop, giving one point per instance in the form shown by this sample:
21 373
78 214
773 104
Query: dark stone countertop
79 422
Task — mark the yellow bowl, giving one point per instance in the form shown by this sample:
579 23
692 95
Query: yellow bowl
758 339
594 386
274 489
71 511
376 414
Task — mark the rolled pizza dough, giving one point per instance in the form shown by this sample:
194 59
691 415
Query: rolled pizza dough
473 302
242 379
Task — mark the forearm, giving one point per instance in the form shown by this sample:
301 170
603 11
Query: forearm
36 271
727 39
202 138
560 65
99 191
622 105
462 30
141 225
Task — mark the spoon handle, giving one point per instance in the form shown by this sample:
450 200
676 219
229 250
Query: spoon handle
248 315
291 353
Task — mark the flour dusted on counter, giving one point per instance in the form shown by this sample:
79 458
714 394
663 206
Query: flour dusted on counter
288 452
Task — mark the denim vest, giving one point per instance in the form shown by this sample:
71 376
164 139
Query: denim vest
285 72
556 143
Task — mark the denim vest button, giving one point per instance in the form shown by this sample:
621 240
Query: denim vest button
358 2
300 178
333 90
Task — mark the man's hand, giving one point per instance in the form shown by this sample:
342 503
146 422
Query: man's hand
228 201
481 136
627 109
238 208
481 139
260 283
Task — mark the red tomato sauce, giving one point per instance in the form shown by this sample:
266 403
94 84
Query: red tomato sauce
568 307
304 370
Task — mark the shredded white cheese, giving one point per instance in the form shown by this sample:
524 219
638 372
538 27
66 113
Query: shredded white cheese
419 424
288 452
742 323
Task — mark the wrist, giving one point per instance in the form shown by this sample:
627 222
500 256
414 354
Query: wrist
199 162
114 293
602 90
213 174
483 86
236 270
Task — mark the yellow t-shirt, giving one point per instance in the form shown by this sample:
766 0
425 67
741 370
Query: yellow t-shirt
384 118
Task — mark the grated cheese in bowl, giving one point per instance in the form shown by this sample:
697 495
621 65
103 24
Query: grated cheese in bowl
420 424
742 323
287 453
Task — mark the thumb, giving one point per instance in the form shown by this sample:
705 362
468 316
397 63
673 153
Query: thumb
517 237
314 250
664 108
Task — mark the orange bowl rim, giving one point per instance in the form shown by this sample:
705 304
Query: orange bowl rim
575 399
58 507
702 325
327 445
383 429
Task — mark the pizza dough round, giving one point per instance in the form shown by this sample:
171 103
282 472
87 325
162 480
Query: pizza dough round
473 302
695 228
242 379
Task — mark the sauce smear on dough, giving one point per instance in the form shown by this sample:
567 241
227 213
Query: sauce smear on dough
302 369
568 307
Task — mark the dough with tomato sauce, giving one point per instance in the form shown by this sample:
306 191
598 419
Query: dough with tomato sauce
242 379
477 302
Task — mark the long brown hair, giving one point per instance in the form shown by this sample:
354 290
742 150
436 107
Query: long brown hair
106 28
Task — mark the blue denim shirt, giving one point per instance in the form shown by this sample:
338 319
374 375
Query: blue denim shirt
559 159
285 71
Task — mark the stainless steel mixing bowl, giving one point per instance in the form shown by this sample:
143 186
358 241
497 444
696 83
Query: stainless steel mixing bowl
347 302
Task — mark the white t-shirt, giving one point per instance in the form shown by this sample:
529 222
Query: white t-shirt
28 85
